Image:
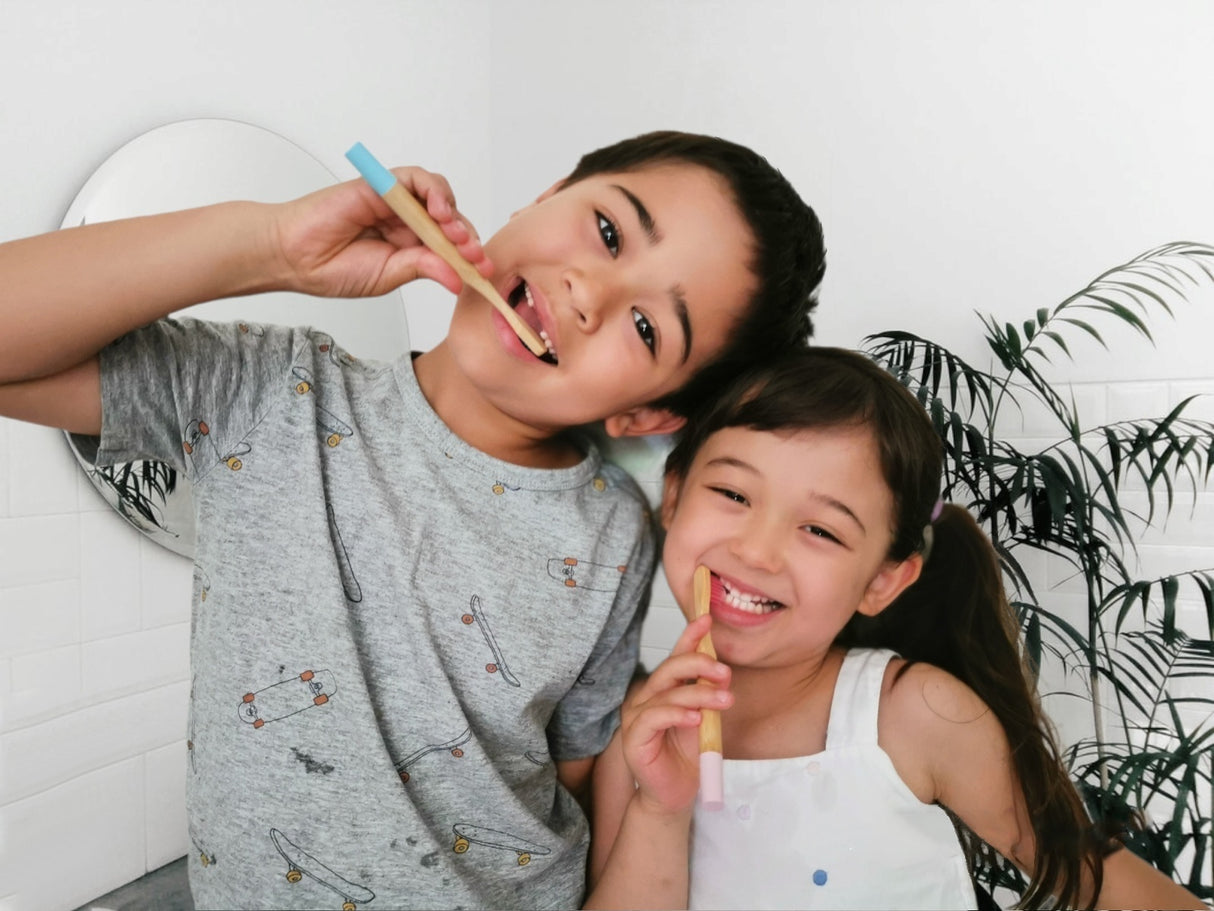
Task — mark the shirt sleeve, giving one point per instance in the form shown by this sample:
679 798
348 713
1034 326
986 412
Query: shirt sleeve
176 388
586 718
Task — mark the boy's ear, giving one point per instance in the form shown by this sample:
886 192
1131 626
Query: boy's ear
891 581
643 421
551 190
547 193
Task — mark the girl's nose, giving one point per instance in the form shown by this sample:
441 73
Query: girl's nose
760 545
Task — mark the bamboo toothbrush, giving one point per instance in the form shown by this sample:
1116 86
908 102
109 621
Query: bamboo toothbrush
712 763
414 214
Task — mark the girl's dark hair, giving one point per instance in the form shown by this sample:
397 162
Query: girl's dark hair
956 616
787 261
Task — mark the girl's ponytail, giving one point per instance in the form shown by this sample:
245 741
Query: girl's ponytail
956 616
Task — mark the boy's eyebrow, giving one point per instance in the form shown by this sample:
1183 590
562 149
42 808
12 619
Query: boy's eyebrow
647 223
654 236
680 310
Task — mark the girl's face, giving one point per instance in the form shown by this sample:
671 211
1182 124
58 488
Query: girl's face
794 527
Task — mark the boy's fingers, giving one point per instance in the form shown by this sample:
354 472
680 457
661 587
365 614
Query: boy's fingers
431 189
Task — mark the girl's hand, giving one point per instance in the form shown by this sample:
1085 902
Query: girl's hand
659 722
345 241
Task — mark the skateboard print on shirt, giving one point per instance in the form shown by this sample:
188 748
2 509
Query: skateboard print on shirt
337 355
205 454
349 582
498 664
583 574
286 698
332 428
467 835
453 746
300 864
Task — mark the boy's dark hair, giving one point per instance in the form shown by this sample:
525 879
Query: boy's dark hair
956 616
788 259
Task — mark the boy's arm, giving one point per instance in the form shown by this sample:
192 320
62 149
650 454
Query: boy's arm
575 775
66 294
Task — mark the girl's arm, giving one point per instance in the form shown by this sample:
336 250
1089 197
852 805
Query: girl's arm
66 294
949 747
638 852
645 783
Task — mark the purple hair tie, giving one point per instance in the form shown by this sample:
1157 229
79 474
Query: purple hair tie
937 509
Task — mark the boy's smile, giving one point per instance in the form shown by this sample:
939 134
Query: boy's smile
634 280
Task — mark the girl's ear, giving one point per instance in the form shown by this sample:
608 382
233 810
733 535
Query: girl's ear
670 497
891 581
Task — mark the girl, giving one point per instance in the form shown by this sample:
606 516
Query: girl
871 668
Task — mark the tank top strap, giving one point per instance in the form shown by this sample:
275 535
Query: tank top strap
857 697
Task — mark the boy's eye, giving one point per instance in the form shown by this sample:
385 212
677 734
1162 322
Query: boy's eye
730 494
644 329
610 234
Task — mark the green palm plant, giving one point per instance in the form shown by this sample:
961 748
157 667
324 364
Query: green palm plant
1149 755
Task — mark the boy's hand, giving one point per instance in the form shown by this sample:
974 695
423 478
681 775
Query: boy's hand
345 241
659 722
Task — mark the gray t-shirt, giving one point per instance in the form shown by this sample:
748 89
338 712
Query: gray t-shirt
394 635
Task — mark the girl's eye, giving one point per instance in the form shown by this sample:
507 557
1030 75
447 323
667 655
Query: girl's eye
820 533
645 330
610 234
730 494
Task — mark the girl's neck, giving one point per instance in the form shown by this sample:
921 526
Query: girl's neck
780 712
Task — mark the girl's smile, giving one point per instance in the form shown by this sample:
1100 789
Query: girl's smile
795 528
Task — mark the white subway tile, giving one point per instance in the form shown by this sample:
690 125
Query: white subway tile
5 470
167 581
662 627
1133 401
37 617
42 471
1202 407
41 756
39 549
109 576
71 843
45 685
89 497
136 661
652 657
167 832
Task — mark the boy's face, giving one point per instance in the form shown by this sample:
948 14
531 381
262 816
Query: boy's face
635 278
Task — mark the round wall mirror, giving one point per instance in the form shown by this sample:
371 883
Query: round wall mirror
193 163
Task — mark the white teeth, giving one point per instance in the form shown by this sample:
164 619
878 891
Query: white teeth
543 334
749 602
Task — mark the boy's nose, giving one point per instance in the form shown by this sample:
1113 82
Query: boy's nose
589 297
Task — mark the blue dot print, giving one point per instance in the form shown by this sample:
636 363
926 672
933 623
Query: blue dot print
819 877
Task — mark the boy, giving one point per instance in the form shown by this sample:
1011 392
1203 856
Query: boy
422 613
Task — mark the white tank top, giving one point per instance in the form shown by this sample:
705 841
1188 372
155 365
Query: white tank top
839 829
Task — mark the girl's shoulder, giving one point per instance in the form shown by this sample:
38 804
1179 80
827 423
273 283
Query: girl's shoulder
926 714
922 693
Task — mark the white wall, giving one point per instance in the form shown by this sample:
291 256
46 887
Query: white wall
962 155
